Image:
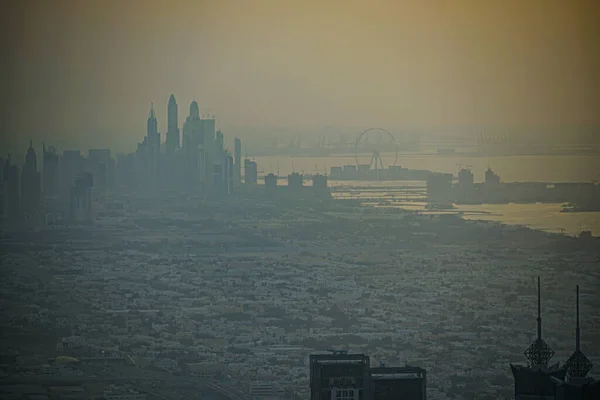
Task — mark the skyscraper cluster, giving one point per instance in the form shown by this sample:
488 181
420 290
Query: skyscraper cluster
196 161
20 195
28 195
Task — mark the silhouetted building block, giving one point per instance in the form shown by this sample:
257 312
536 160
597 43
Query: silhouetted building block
271 182
439 188
125 171
70 167
81 199
250 172
101 165
398 383
228 173
10 177
10 201
536 382
319 182
295 182
50 171
589 390
491 178
237 152
30 183
193 139
212 155
339 376
349 169
218 176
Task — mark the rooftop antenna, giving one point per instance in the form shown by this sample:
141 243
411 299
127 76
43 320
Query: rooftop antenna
277 167
293 169
539 353
578 365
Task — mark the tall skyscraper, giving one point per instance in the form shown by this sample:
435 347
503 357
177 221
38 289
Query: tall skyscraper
10 177
102 166
237 152
125 177
81 198
70 167
49 171
219 145
172 140
210 145
250 172
228 173
30 182
141 162
193 139
153 143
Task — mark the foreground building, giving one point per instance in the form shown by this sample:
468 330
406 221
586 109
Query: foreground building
534 381
578 385
537 380
349 377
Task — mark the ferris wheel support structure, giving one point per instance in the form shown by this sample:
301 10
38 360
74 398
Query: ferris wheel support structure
376 162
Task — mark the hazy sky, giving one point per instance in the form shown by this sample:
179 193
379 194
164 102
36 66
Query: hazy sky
85 71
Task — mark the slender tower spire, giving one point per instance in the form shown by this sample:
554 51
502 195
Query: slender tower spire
539 353
577 331
539 317
172 125
578 365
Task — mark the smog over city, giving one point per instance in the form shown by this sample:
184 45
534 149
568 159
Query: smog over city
307 200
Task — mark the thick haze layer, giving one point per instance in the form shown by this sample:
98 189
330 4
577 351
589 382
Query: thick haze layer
85 72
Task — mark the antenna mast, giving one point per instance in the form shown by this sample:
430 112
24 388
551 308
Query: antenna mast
539 317
578 365
539 353
577 331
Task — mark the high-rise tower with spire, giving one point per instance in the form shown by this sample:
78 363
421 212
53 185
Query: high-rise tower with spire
172 140
153 147
539 353
152 127
30 182
578 385
578 364
537 379
193 146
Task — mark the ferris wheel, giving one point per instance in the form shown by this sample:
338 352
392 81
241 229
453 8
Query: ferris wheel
381 141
